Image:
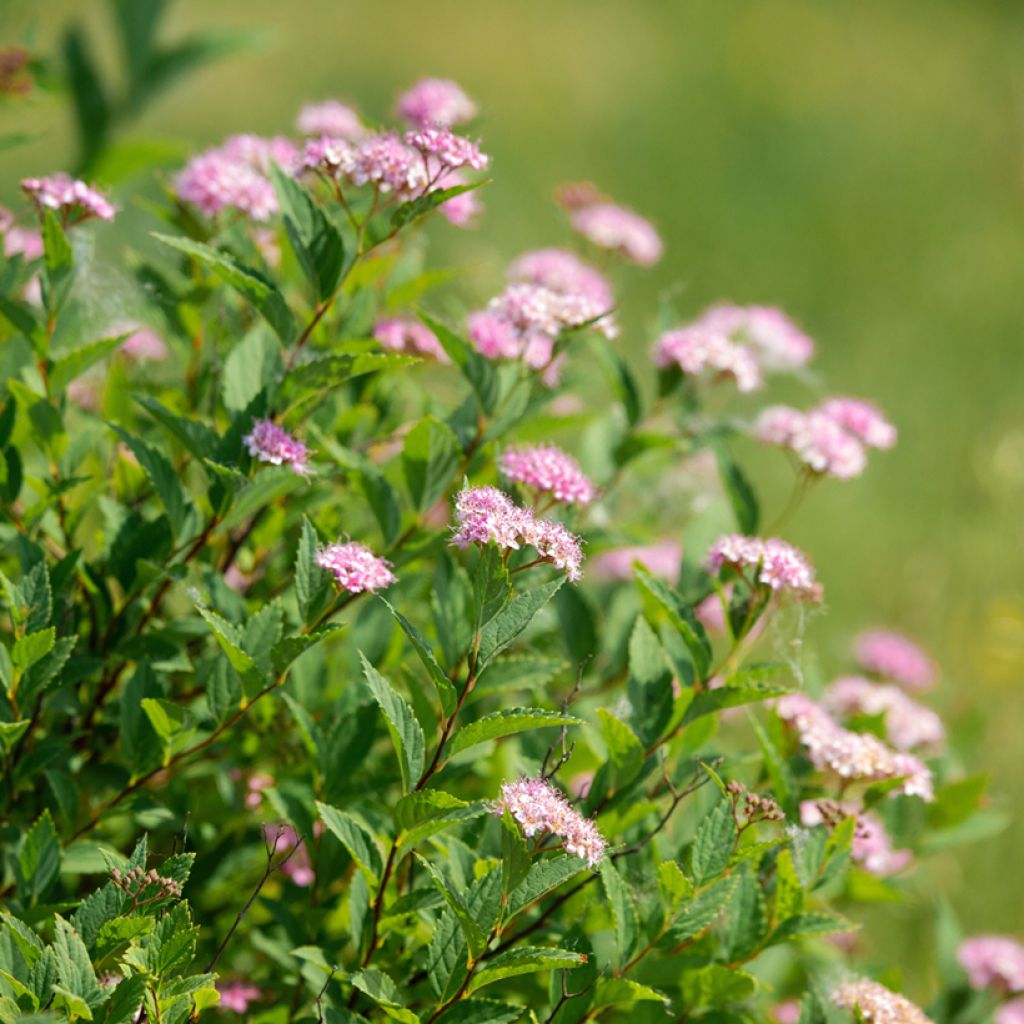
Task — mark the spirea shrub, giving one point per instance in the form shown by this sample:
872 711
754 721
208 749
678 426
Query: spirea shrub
374 652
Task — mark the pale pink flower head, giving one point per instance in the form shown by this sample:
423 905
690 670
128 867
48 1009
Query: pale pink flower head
405 334
821 443
786 1012
907 723
435 102
894 657
449 150
269 443
872 848
613 227
775 563
235 996
1010 1013
539 807
548 469
463 210
877 1004
994 962
386 162
24 242
696 351
562 271
777 343
355 567
332 118
214 181
861 419
328 155
74 200
493 336
662 559
852 756
254 786
554 543
145 344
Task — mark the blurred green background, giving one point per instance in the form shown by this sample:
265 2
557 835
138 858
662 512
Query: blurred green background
857 162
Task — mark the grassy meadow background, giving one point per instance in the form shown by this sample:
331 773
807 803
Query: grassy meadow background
858 162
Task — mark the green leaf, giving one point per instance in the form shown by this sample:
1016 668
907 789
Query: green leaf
163 476
316 241
543 876
38 859
627 923
446 692
477 370
748 686
480 1011
716 985
476 939
383 991
713 844
70 364
748 918
92 110
626 992
252 367
227 637
198 438
327 372
650 682
426 812
74 968
625 751
11 732
515 858
263 296
525 960
809 925
419 207
357 839
406 733
507 723
430 456
167 719
503 629
312 583
223 690
681 617
28 649
737 488
622 381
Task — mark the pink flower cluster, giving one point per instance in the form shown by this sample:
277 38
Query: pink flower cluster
433 102
548 469
907 723
19 241
993 961
235 176
662 559
71 198
269 443
777 565
1010 1013
877 1004
776 341
449 150
331 117
564 273
404 334
851 755
485 514
355 567
698 350
236 996
539 807
872 847
894 657
610 226
145 344
831 439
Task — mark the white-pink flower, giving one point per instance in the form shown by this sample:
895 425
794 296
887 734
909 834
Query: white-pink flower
548 469
993 961
697 351
775 563
907 723
270 443
355 567
894 657
877 1004
435 102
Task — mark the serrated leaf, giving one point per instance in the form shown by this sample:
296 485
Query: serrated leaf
430 455
162 475
249 283
357 839
737 488
38 858
312 583
477 370
76 361
809 925
681 617
525 960
748 919
428 811
406 733
476 939
543 876
748 686
701 912
650 682
28 649
198 438
446 692
627 924
507 723
480 1011
510 622
713 844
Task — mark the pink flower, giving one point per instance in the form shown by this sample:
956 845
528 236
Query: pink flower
613 227
877 1004
710 613
451 151
435 101
269 443
1010 1013
355 567
254 786
24 242
993 961
775 340
851 755
386 162
778 565
259 152
331 117
893 656
404 334
485 514
662 559
145 344
548 469
561 271
696 350
907 723
862 420
786 1012
69 197
462 210
237 995
872 847
214 181
539 807
822 444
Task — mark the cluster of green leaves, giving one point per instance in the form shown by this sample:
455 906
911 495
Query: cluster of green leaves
175 662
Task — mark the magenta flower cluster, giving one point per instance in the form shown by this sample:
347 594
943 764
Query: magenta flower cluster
541 808
853 756
993 962
549 470
74 200
332 118
485 514
435 102
355 567
775 563
404 334
907 723
270 443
